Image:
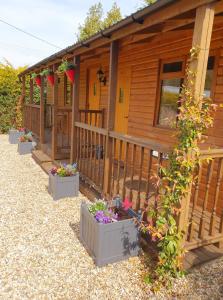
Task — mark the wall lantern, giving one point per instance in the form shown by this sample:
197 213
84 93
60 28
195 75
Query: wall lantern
101 76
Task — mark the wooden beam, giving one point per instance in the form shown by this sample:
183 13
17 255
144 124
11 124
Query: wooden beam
75 110
42 117
23 99
54 114
113 70
202 39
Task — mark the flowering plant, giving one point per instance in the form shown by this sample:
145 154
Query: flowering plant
26 137
101 213
22 129
65 170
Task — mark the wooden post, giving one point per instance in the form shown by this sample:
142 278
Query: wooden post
75 109
30 102
54 114
23 100
113 70
42 112
31 90
202 39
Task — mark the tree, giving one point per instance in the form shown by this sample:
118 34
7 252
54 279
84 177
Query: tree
10 92
94 21
113 16
149 2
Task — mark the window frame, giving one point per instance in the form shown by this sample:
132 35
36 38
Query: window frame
163 76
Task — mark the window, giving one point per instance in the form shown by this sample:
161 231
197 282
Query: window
171 80
68 88
209 77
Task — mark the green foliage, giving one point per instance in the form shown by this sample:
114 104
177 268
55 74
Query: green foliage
64 66
34 75
113 16
97 206
10 97
94 21
174 182
149 2
46 72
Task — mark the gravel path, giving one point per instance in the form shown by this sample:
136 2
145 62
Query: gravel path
41 256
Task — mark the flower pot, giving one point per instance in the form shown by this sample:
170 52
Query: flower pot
50 79
14 136
108 243
25 147
38 80
62 187
70 74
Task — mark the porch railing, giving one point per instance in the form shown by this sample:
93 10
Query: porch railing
32 118
90 146
132 162
92 117
133 169
206 205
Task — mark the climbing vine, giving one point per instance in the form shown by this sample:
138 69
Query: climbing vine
194 118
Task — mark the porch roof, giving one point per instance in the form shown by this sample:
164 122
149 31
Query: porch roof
137 18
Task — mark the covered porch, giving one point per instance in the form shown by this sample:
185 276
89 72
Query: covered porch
113 127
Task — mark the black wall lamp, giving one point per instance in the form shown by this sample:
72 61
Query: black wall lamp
101 76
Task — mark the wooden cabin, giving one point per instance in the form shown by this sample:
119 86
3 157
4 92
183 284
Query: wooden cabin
115 120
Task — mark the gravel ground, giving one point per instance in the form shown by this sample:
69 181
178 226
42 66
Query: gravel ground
41 256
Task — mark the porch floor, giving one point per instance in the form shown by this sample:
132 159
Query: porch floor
41 255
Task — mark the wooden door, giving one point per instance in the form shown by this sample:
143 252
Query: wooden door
94 90
122 101
122 109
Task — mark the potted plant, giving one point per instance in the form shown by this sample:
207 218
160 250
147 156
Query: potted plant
64 181
14 135
25 144
68 68
37 78
49 75
109 232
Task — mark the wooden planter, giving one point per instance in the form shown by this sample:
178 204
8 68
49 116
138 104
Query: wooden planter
62 187
25 147
14 136
108 243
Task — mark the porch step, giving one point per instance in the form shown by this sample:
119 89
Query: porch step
40 157
201 255
47 166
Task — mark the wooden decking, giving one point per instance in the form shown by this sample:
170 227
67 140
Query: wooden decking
201 255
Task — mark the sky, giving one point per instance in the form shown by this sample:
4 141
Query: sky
53 20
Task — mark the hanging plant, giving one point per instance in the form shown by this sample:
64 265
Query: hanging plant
69 69
49 75
37 78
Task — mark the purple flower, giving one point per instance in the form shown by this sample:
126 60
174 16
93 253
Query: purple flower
105 217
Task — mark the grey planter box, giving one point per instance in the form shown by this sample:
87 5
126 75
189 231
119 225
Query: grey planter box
108 243
14 136
62 187
25 147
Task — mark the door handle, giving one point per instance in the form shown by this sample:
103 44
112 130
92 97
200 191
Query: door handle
126 117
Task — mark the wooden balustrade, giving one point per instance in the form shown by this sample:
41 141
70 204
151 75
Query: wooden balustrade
90 145
92 117
133 171
206 206
32 118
